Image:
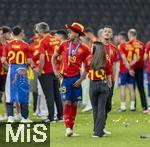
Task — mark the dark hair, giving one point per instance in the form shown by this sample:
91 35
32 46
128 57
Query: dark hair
62 32
6 29
17 30
98 60
123 35
108 26
88 30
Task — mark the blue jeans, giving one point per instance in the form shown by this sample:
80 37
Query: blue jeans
23 106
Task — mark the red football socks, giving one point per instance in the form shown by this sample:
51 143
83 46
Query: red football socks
70 111
67 115
73 114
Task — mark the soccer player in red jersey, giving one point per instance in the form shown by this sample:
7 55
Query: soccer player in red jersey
111 53
147 60
100 82
139 50
48 81
74 53
34 47
2 74
16 54
3 39
40 106
127 62
6 35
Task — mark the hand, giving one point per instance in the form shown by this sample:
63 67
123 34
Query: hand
36 70
58 75
131 72
77 83
109 84
127 65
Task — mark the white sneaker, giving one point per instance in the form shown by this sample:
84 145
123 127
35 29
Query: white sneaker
10 119
23 120
69 132
17 117
107 132
95 136
43 117
146 111
75 135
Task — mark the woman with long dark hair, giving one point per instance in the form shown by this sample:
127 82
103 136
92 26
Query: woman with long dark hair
100 82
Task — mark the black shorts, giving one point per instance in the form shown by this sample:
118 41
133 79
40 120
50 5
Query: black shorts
2 82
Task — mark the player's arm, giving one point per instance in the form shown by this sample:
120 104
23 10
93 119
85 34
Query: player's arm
56 72
4 59
31 63
56 54
135 59
4 63
125 61
108 73
83 75
41 63
28 54
146 51
78 82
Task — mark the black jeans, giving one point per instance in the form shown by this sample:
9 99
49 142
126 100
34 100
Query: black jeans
50 86
35 98
139 81
109 100
99 92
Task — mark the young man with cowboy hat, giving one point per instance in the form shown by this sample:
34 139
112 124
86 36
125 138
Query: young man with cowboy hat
73 54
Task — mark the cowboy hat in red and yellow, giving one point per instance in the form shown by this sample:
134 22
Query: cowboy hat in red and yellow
76 27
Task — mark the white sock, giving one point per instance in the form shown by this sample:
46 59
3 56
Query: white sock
123 106
132 105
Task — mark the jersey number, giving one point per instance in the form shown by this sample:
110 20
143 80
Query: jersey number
129 57
96 74
19 57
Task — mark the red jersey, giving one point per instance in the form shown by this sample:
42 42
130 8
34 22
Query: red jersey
35 49
1 67
98 75
17 52
111 52
71 64
139 50
128 50
147 51
48 46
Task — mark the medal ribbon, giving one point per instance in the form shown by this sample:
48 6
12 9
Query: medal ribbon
73 52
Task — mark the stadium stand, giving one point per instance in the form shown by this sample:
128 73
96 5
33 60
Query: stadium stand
122 15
